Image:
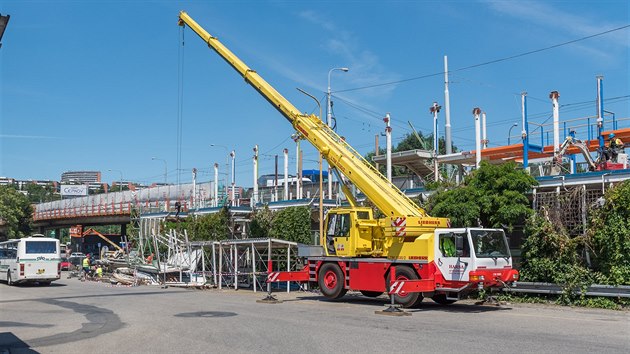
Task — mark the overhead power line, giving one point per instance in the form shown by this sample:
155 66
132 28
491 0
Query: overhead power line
487 62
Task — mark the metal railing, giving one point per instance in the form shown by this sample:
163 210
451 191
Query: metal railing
555 289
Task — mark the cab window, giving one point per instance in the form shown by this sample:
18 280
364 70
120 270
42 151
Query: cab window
343 225
447 245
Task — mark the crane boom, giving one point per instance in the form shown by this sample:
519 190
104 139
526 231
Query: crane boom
339 154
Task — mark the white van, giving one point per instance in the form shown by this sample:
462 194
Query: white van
30 259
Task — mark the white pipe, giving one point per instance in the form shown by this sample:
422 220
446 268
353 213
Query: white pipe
233 155
216 185
447 110
388 144
286 174
476 112
298 194
483 130
556 121
435 109
255 160
194 188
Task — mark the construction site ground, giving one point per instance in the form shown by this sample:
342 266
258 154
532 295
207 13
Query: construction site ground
71 316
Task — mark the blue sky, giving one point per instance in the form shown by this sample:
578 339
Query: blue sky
94 85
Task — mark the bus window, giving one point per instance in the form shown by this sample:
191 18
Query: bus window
47 247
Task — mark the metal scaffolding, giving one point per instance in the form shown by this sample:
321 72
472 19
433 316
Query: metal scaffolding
245 263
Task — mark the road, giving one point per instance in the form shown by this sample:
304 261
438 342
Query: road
74 317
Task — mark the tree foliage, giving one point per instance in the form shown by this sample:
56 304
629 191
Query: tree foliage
15 213
292 224
609 231
207 227
262 220
212 226
492 196
41 194
551 255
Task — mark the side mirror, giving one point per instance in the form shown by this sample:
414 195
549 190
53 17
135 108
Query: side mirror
459 245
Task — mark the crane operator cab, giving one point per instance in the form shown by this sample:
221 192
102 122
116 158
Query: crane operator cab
349 231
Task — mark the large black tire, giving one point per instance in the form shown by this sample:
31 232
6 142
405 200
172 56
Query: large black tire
331 281
9 280
441 299
371 293
406 300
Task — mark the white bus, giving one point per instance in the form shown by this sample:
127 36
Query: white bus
30 259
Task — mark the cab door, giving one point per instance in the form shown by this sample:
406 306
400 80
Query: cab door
338 233
453 267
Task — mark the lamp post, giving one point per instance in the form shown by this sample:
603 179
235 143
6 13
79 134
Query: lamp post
165 169
227 164
510 131
321 178
121 176
329 121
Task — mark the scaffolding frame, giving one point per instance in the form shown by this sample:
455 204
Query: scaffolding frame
245 263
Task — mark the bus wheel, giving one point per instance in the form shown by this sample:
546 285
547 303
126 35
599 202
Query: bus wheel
330 281
9 280
371 293
405 299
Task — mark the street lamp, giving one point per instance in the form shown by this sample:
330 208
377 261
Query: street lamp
329 121
165 168
510 131
121 176
227 164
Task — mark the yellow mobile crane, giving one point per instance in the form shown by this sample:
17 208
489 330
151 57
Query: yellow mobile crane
429 259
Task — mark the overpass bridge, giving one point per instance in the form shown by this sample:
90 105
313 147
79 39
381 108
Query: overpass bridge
118 207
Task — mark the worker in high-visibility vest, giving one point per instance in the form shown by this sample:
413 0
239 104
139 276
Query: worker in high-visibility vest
99 271
86 264
448 247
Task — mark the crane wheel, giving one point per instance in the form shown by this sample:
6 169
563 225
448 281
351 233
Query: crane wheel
406 300
371 293
331 281
441 299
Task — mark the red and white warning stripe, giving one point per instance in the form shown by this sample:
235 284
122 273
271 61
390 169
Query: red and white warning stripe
400 224
396 287
271 277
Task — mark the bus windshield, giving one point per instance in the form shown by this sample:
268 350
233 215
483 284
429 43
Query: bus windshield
46 247
489 243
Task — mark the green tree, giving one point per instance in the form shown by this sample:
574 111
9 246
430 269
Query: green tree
262 221
292 224
550 254
609 230
210 227
41 194
15 213
493 196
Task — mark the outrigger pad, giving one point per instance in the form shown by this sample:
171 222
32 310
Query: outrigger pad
393 311
269 299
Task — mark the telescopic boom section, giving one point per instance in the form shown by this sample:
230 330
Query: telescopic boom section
386 196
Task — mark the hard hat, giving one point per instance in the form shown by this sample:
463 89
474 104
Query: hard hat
611 135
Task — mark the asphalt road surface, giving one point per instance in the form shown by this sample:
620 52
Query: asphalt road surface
70 316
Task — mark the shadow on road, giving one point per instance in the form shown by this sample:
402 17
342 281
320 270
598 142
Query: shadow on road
10 343
427 305
206 314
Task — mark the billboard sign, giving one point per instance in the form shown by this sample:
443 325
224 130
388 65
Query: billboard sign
76 190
